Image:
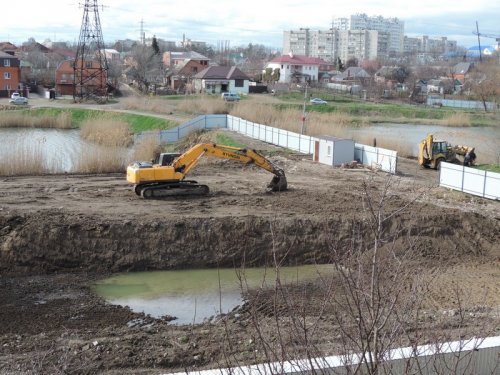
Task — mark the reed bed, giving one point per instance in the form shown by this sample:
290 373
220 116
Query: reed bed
334 123
22 159
25 120
106 131
461 119
101 160
147 104
203 105
147 148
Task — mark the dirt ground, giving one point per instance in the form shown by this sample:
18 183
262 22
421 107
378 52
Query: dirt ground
60 233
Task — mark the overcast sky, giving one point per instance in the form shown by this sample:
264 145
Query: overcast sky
242 22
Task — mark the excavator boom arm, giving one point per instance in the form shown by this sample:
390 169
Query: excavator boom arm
187 161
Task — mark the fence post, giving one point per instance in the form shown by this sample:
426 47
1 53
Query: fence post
463 178
484 183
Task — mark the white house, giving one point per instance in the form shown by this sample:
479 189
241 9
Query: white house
217 79
297 68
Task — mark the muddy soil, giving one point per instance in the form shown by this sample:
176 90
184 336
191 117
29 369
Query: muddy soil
60 233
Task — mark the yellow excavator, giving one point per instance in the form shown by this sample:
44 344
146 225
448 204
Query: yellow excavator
167 177
432 152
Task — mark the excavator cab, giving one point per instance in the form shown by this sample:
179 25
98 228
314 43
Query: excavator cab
165 159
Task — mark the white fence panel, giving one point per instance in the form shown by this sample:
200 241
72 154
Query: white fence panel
474 356
381 158
470 180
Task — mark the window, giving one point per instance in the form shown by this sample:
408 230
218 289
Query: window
329 151
7 87
7 75
64 77
6 62
238 83
194 69
88 64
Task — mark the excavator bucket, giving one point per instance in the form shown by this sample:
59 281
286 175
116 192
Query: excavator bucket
278 183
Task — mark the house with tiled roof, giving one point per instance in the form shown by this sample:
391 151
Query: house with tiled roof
297 68
218 79
180 67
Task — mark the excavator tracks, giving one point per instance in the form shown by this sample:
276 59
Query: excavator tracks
166 190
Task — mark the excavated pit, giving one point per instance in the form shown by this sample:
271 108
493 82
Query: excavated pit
58 234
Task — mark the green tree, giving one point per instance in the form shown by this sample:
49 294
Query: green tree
155 46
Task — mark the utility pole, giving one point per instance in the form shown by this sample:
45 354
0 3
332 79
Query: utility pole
90 67
304 114
479 42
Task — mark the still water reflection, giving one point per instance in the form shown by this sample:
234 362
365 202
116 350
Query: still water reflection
195 295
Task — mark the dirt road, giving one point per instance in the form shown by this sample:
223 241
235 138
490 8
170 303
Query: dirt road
59 233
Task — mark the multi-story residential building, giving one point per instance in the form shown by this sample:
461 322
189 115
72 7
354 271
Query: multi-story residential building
424 44
358 44
359 37
391 30
10 74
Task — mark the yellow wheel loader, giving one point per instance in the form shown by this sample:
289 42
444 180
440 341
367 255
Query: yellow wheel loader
432 152
167 177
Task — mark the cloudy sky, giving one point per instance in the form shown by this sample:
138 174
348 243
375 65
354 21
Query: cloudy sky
242 22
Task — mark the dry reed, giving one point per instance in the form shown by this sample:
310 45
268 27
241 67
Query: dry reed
24 120
106 132
147 148
203 105
101 160
148 104
456 120
23 159
316 123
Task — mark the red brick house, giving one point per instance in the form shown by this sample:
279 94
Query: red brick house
10 74
180 67
65 77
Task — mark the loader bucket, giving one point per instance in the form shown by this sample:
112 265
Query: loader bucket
278 183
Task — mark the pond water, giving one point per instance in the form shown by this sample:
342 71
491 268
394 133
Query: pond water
193 296
61 148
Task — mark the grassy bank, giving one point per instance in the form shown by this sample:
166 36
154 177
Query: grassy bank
75 117
387 112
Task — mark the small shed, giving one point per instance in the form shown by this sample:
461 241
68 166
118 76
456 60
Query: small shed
333 151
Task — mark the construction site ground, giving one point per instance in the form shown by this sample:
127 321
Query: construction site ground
60 233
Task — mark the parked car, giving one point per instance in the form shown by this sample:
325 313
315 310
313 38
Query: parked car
318 101
18 100
230 97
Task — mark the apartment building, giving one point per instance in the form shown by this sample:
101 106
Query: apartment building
424 44
359 37
390 28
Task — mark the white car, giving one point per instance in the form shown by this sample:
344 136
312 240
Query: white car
18 99
318 101
230 97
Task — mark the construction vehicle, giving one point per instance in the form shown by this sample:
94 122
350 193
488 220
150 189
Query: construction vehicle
432 152
167 176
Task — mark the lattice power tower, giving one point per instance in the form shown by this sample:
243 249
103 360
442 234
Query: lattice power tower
90 77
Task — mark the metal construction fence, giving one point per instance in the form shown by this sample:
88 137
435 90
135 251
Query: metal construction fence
279 137
470 356
380 158
470 180
468 104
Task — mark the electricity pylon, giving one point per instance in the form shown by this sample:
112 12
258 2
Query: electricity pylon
90 68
